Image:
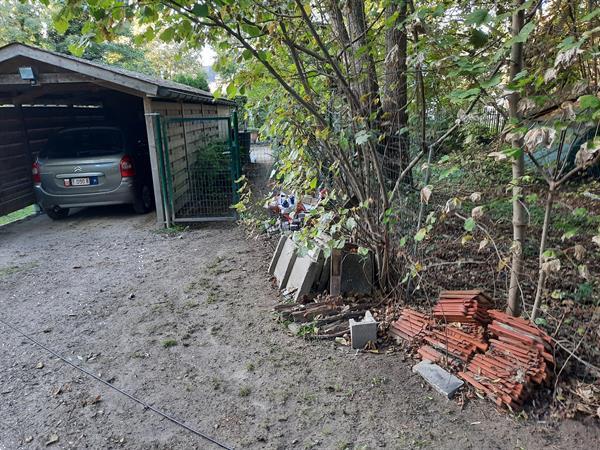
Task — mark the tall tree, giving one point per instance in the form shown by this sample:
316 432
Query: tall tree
518 165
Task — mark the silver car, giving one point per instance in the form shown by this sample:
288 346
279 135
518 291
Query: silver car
92 166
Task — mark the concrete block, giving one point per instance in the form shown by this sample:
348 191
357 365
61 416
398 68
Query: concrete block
277 254
285 263
363 331
305 272
441 380
357 274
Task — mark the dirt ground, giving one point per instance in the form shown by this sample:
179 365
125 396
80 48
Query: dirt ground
182 320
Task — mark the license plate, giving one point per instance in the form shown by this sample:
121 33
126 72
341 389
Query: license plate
80 181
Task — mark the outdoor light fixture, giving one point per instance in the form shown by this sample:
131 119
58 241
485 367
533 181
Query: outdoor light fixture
27 74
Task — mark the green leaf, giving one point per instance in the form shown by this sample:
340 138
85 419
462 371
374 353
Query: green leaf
76 49
251 30
350 223
523 34
362 137
200 10
478 38
61 25
491 83
478 17
470 224
362 251
589 101
167 35
421 234
465 94
231 90
541 321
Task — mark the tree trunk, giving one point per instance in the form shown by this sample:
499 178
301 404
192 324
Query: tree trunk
518 170
542 275
395 94
368 87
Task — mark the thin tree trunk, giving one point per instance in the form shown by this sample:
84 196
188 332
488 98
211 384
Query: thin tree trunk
543 240
518 170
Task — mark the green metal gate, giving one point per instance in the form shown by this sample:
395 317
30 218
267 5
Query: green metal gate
199 161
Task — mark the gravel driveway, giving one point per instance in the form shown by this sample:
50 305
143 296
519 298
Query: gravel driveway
181 320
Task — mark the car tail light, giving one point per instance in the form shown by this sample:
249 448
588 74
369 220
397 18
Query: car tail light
35 172
126 167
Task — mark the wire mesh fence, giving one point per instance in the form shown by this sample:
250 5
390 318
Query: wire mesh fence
201 162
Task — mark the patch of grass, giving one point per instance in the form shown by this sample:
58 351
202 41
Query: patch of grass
191 304
9 270
250 367
218 260
18 215
245 391
212 298
174 229
169 343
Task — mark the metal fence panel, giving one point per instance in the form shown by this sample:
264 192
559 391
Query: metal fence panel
200 166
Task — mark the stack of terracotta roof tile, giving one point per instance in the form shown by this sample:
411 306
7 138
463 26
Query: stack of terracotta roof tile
518 357
453 343
463 306
410 325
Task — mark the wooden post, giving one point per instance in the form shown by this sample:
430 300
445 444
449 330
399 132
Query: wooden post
158 199
335 278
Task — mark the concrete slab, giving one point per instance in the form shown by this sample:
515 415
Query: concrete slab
363 331
285 263
305 272
277 254
441 380
357 274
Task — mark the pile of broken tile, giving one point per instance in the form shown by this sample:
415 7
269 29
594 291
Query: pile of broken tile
328 315
501 356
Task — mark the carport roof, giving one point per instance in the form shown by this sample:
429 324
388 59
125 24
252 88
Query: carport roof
145 84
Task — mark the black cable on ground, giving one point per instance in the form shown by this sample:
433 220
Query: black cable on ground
135 399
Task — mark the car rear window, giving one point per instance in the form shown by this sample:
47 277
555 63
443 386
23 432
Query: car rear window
83 143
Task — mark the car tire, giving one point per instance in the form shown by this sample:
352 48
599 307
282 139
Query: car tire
144 200
57 213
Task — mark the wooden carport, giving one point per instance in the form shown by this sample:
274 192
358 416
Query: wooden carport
66 91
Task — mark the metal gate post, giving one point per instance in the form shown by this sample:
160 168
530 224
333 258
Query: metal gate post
161 167
167 163
236 145
236 156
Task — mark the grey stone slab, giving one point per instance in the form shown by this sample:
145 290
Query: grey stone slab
363 331
305 272
277 254
357 274
285 263
441 380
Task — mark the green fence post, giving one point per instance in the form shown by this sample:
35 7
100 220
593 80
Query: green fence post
236 154
161 167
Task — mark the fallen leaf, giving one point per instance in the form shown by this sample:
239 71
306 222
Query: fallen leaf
584 272
475 197
551 266
536 137
498 156
426 194
28 439
39 365
483 244
596 240
579 251
477 212
52 439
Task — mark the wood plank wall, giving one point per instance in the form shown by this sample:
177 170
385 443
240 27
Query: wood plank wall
23 133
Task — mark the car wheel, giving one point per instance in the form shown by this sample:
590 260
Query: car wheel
57 213
144 200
